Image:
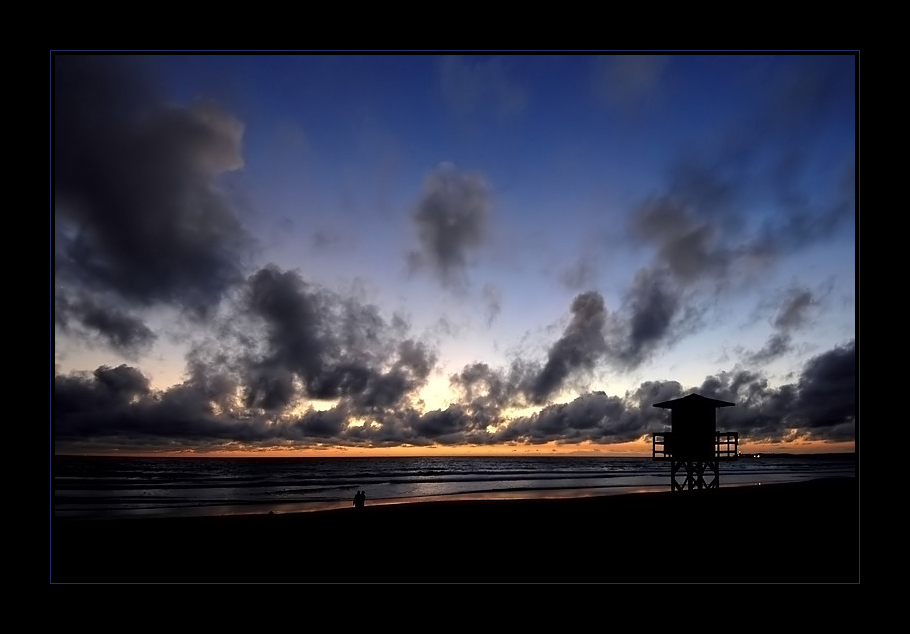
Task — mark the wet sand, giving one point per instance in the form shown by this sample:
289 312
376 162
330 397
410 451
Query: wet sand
804 532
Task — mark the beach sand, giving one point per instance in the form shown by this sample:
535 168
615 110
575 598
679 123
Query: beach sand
805 532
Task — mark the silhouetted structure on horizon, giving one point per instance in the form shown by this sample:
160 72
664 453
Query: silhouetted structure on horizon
694 446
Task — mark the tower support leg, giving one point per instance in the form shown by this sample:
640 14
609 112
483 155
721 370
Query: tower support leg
699 475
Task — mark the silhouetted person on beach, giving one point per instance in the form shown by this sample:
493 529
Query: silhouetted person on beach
359 499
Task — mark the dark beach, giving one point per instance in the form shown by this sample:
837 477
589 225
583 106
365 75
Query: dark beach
806 532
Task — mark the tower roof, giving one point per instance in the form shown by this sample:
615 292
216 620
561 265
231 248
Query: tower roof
693 401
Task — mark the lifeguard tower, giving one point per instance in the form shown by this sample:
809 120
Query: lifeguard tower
693 446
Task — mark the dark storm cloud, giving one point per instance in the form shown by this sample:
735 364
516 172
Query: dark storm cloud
456 425
691 249
824 395
321 346
587 417
211 377
326 424
481 385
760 412
793 313
777 345
88 405
385 391
451 220
116 405
692 257
827 392
651 315
122 382
579 348
654 313
651 392
137 209
293 316
821 405
594 417
796 308
88 316
116 408
652 305
270 388
442 423
280 343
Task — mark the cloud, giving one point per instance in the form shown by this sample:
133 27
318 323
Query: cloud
778 345
492 299
589 417
796 307
138 212
827 393
385 391
651 306
89 317
581 345
293 317
451 219
793 313
285 343
116 405
821 405
691 249
87 405
485 389
288 344
651 316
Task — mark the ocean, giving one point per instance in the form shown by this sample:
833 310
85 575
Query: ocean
107 487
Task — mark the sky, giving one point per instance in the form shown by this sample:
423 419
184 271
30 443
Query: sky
420 254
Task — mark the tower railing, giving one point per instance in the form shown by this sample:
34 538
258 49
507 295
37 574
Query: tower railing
660 446
726 445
